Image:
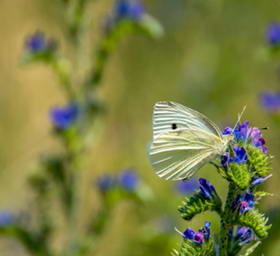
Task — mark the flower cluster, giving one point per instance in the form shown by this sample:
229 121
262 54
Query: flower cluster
270 101
63 117
38 44
273 34
199 237
244 134
127 180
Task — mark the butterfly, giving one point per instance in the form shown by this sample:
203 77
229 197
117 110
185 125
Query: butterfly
184 140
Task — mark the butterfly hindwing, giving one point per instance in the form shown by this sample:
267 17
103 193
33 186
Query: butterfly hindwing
178 154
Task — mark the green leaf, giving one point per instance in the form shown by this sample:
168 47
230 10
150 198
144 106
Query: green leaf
256 221
239 174
197 204
249 250
151 26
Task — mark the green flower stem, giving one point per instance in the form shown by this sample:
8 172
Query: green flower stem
226 220
61 68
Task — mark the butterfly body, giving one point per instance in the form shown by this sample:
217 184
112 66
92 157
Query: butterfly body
183 141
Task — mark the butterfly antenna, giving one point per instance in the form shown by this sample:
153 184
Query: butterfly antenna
239 117
178 231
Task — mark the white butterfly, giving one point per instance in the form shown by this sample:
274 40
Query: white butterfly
183 141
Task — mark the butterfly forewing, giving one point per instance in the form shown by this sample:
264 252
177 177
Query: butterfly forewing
184 140
169 116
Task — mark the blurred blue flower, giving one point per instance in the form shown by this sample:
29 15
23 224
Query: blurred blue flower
64 117
105 183
6 218
243 202
128 9
270 101
37 43
244 235
200 236
206 189
187 187
273 34
128 179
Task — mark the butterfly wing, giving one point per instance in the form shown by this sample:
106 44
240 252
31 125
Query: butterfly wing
169 116
178 154
183 140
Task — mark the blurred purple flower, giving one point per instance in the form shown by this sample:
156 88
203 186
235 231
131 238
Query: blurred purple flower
128 179
37 43
128 9
6 218
273 34
270 101
187 187
64 117
105 183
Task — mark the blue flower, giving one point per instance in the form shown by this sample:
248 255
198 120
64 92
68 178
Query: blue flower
129 180
206 189
239 156
259 180
273 34
37 43
200 236
6 218
187 187
105 183
244 235
64 117
270 101
243 203
127 9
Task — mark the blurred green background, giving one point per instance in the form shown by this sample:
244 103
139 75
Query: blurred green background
212 58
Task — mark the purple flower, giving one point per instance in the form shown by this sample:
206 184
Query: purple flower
259 180
244 235
64 117
273 34
200 236
128 179
6 218
243 203
105 183
37 43
270 101
187 187
206 189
